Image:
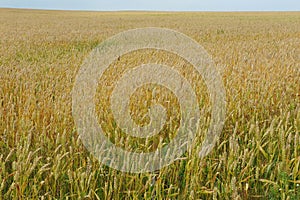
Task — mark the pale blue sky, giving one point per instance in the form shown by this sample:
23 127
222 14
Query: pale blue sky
164 5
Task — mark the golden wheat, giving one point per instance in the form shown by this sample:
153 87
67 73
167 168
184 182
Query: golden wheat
257 156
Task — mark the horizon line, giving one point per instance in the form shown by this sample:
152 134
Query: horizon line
142 10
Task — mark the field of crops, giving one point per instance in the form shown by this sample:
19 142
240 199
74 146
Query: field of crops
256 157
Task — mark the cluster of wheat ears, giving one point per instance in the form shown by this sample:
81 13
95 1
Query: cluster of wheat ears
256 157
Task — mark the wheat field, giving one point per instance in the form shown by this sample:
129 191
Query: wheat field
256 157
